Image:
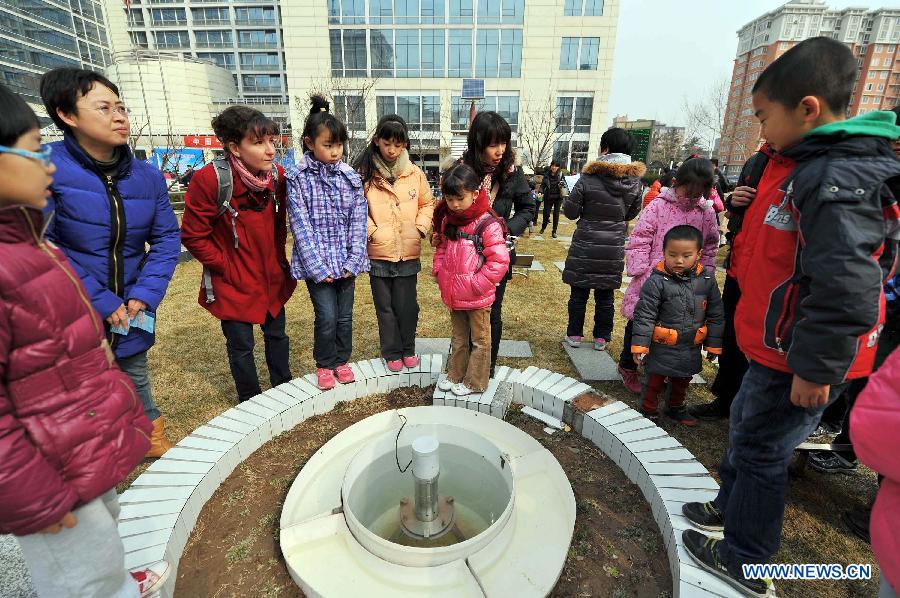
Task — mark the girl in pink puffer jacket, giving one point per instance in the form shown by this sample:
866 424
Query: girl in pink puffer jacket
685 202
470 260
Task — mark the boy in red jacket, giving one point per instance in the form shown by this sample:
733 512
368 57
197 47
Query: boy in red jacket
812 303
71 423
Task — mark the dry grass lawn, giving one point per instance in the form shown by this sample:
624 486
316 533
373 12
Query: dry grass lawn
192 384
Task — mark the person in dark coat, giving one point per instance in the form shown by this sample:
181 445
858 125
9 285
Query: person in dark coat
551 190
489 152
604 199
680 311
109 207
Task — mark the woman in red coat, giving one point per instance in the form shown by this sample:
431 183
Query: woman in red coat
241 244
71 423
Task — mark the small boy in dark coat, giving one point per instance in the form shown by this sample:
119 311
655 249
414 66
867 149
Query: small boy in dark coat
680 311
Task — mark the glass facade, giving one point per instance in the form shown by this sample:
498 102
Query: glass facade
427 12
505 105
421 113
426 52
583 8
573 125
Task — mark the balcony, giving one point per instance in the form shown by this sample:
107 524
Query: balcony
261 89
211 22
167 23
257 22
225 44
260 67
173 46
261 44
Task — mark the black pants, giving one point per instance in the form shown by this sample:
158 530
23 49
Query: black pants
497 322
397 310
239 344
604 311
551 204
626 360
333 327
732 363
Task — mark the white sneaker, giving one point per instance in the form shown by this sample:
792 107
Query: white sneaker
446 384
151 580
461 390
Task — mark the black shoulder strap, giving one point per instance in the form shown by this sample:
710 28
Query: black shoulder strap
753 170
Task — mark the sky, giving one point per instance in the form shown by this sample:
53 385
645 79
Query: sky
669 49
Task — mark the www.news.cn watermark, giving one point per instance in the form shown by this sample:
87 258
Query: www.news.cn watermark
809 571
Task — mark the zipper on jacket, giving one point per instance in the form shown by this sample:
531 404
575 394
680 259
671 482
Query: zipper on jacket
38 238
787 316
118 212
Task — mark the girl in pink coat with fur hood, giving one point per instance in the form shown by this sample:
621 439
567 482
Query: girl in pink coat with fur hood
470 260
685 202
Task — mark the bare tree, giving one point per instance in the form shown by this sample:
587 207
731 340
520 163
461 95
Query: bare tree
706 117
665 147
348 98
537 133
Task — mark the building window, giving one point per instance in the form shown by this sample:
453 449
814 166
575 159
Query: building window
135 17
511 53
506 105
881 87
584 107
256 15
578 156
382 51
460 47
432 52
884 74
337 59
351 110
421 113
568 58
461 11
334 12
407 52
487 52
261 83
579 53
172 39
512 12
573 114
258 39
223 59
868 87
353 12
433 12
213 39
865 100
260 61
211 16
167 17
564 113
355 55
406 12
561 153
139 39
488 12
381 12
586 8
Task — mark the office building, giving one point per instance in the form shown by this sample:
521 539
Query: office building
542 61
872 35
39 35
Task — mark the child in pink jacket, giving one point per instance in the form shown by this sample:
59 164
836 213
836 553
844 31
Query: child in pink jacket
874 422
470 260
685 202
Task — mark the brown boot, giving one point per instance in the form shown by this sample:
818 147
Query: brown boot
159 443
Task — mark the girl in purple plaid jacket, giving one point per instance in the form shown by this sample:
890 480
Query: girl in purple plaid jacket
327 210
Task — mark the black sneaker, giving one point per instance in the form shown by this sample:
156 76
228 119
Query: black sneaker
825 430
681 416
857 521
709 412
704 551
553 235
704 515
831 462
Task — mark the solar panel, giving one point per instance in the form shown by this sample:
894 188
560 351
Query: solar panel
472 89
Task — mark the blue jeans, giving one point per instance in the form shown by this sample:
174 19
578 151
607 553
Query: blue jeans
136 369
333 328
765 429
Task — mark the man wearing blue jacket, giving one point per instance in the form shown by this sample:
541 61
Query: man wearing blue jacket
109 207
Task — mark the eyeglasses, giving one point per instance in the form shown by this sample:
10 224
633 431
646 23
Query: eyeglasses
41 156
108 111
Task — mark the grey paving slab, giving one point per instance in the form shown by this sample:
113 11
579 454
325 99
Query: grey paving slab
560 265
592 365
15 580
508 348
536 266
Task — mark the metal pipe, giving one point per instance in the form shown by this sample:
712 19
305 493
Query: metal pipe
426 470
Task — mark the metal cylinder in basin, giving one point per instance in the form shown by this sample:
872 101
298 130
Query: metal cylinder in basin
426 471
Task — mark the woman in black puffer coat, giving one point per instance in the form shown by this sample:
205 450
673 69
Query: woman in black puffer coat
604 199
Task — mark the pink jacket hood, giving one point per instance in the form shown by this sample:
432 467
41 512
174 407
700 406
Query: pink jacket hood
645 246
874 423
468 281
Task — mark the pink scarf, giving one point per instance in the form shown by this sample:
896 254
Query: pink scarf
253 182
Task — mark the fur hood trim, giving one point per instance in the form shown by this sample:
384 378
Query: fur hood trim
619 171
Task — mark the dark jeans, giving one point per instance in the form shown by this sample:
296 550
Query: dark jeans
239 344
537 212
497 321
397 310
626 360
889 341
333 328
732 363
765 429
551 204
136 369
604 311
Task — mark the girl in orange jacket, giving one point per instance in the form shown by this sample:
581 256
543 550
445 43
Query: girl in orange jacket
401 206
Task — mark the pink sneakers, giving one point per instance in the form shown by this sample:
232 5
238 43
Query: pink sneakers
411 361
325 378
344 374
151 580
394 365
